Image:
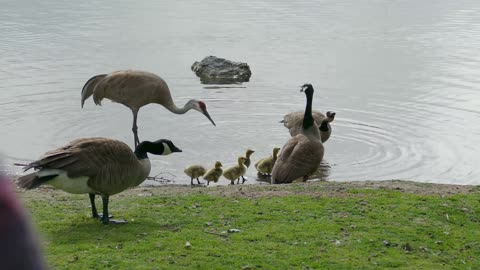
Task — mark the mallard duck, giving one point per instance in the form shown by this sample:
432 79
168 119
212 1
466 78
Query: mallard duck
195 171
235 172
265 165
95 166
302 154
214 173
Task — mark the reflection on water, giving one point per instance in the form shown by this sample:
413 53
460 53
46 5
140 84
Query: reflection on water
402 76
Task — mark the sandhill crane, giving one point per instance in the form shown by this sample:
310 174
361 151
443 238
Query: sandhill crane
301 155
135 89
95 166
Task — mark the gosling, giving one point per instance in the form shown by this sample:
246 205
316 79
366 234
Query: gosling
265 165
214 173
235 172
247 163
195 171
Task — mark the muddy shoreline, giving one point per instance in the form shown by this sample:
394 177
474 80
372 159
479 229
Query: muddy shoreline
316 188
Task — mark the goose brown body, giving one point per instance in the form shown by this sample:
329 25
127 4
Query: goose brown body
301 155
97 166
110 165
293 122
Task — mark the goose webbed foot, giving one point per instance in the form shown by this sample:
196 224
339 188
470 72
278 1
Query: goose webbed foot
113 221
100 216
106 217
196 185
243 180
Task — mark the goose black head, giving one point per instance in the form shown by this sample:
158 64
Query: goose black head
168 147
307 88
331 116
160 147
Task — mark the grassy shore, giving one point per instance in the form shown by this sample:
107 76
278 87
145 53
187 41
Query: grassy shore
318 225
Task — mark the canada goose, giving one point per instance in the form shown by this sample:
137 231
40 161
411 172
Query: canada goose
293 122
265 165
95 166
214 173
247 163
195 171
136 89
236 171
301 155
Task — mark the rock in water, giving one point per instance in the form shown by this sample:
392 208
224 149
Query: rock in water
214 70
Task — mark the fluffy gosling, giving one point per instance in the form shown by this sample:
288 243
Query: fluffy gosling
214 173
195 171
265 165
235 172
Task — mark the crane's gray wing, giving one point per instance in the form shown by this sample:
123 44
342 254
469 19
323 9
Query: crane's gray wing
133 89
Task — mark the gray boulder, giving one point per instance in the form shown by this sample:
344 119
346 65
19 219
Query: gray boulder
214 70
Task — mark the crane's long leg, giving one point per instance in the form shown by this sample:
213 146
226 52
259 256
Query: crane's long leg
135 128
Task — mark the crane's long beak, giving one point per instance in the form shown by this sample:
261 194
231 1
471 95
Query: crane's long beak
208 116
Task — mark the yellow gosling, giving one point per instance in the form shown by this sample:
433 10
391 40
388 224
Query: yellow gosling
235 172
195 171
265 165
214 173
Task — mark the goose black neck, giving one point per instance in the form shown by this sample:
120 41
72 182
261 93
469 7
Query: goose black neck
324 126
142 149
308 118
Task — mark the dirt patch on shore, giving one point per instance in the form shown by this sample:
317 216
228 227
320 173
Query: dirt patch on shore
317 189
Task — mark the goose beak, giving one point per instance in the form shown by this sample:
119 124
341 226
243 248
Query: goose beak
176 149
208 116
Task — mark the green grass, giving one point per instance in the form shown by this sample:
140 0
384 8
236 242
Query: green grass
362 229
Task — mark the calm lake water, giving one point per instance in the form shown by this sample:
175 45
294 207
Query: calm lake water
403 77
